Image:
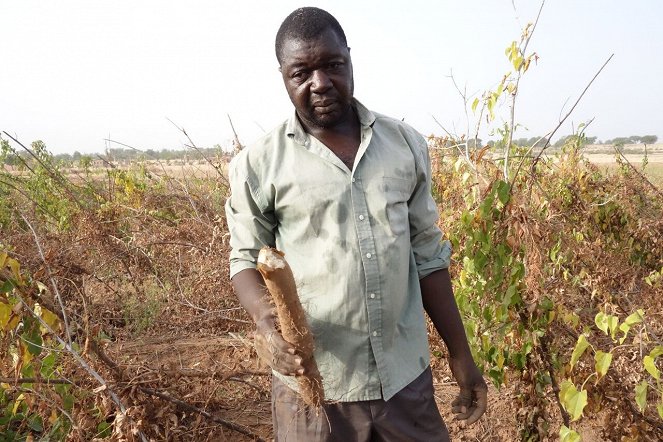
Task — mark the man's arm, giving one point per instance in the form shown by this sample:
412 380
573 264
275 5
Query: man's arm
439 303
251 224
270 345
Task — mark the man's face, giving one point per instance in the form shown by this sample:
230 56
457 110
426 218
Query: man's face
318 77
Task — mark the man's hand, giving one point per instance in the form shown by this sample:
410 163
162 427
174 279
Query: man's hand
273 350
473 397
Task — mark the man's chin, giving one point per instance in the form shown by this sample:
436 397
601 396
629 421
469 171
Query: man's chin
327 119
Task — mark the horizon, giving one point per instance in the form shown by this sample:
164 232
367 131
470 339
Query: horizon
80 74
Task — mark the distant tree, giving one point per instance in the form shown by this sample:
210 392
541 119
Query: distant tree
85 161
620 141
633 139
562 141
471 143
584 140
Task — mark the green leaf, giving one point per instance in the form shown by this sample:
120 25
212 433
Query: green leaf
579 349
601 321
104 429
48 365
635 318
5 315
16 269
641 395
603 361
573 401
7 287
656 352
503 191
35 423
517 62
508 296
568 435
613 321
632 319
650 366
606 323
475 103
31 336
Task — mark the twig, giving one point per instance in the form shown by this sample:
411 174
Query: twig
175 243
231 425
236 144
35 381
507 148
54 286
571 110
545 355
632 167
193 146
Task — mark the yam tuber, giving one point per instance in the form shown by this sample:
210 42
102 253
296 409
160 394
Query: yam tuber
281 285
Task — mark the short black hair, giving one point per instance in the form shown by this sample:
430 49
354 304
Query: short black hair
306 24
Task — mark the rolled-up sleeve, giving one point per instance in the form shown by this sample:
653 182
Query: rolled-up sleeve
251 221
430 252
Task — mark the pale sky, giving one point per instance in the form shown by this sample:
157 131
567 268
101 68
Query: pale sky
76 72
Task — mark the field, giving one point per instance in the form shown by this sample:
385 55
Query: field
121 322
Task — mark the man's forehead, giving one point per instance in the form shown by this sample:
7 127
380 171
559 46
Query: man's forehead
327 44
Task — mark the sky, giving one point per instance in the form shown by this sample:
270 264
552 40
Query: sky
75 73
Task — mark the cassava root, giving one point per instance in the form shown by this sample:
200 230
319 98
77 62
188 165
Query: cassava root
281 285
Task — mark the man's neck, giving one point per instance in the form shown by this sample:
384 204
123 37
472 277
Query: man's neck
342 139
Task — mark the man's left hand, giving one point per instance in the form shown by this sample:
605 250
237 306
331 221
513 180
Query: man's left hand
473 397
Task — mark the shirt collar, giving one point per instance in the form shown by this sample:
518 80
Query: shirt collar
295 129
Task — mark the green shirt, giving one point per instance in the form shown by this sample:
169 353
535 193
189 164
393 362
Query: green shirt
358 241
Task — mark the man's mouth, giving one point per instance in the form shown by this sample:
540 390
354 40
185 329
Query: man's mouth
324 106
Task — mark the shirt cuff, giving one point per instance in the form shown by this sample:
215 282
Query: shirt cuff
238 266
439 262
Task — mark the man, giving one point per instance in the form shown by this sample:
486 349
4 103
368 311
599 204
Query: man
345 194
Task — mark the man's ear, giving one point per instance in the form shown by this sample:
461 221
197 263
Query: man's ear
280 70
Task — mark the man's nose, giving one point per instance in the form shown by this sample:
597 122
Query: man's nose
320 81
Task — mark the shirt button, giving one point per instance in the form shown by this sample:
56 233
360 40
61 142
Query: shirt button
361 217
375 333
372 295
368 255
353 180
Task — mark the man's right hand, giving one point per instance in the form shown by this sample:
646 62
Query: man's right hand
272 349
276 352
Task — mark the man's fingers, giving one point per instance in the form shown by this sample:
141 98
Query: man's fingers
462 402
470 409
461 416
477 412
278 354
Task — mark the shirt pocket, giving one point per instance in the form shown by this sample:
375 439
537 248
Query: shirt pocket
396 192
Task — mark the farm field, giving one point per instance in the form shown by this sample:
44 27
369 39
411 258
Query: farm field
130 265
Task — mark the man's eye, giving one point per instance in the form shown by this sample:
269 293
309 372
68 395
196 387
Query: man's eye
299 75
335 65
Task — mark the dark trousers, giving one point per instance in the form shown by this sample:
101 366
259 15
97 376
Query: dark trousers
411 415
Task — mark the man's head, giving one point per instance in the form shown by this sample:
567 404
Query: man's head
314 60
306 24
